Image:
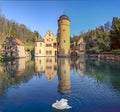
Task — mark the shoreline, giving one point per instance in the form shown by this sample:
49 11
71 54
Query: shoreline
106 56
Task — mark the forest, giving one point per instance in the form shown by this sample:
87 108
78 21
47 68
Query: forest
10 28
105 38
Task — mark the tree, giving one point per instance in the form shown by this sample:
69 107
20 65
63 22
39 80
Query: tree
37 35
115 34
11 28
107 26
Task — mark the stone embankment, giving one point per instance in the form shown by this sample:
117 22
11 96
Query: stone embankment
106 56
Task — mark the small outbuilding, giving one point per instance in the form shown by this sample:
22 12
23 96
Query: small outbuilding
13 47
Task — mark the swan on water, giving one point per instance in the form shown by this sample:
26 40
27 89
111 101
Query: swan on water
61 105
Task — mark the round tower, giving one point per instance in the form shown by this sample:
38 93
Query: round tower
64 36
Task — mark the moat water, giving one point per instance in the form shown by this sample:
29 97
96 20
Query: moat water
90 85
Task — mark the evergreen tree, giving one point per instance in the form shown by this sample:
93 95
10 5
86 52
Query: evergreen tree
115 34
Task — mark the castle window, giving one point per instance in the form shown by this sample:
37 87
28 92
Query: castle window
49 34
39 51
64 41
48 45
63 30
55 68
39 61
50 60
50 52
54 44
40 44
46 52
48 67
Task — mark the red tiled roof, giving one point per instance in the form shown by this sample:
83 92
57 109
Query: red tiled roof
14 41
18 42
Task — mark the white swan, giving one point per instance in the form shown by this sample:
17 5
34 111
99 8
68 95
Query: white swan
61 105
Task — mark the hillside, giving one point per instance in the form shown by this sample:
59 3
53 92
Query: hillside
11 28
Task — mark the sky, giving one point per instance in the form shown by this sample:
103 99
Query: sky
43 15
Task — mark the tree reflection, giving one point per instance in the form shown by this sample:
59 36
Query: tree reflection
21 71
78 65
15 68
104 71
15 73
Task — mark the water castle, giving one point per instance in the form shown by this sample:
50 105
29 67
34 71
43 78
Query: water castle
60 46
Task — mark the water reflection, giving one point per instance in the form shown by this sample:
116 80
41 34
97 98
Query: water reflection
88 84
104 71
20 71
78 65
14 73
15 68
8 71
64 75
47 65
52 66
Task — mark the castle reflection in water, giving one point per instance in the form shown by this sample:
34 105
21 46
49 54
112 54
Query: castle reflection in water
61 67
22 70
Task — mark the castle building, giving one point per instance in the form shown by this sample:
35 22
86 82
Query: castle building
60 46
64 36
46 46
